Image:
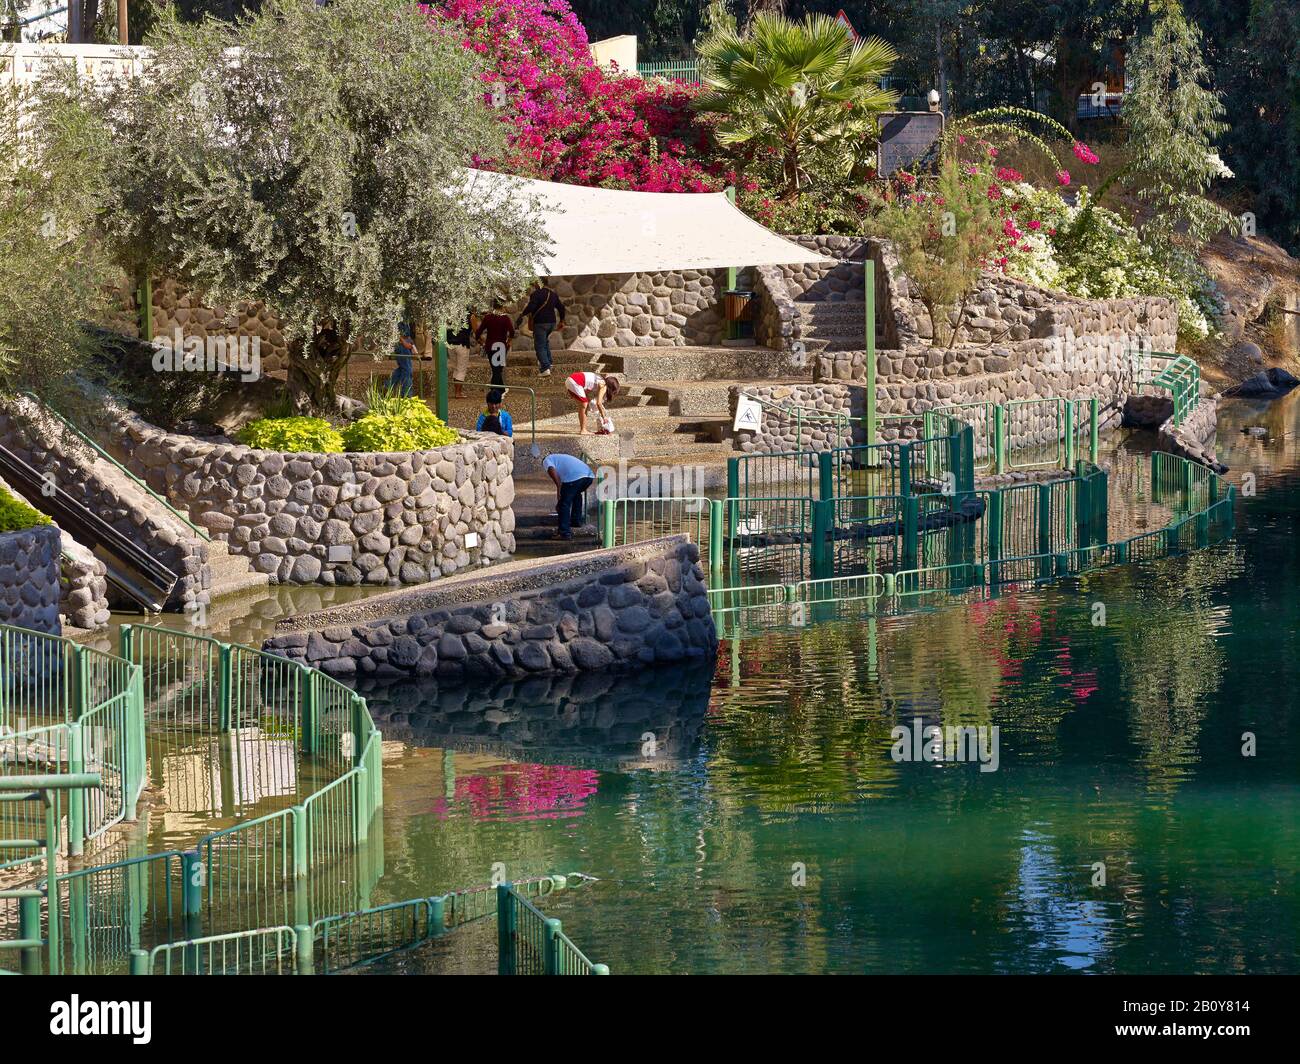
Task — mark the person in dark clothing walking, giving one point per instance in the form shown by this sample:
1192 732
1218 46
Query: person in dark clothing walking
495 332
545 314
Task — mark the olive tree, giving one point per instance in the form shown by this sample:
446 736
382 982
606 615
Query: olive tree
53 273
314 159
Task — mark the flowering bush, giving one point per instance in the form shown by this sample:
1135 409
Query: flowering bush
572 121
1088 251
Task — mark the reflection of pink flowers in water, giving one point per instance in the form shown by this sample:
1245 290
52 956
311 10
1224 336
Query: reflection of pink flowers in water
527 792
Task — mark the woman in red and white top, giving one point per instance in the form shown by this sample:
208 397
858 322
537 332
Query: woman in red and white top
588 388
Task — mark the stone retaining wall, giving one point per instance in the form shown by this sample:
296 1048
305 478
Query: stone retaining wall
83 579
29 579
600 611
112 495
346 519
670 309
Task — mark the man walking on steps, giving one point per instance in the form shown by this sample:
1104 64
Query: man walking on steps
572 477
545 313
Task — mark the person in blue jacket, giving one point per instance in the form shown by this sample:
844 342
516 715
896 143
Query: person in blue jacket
494 419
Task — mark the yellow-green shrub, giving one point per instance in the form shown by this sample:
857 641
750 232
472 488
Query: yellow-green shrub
15 516
299 434
398 425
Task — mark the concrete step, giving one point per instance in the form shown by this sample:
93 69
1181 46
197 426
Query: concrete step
231 574
694 364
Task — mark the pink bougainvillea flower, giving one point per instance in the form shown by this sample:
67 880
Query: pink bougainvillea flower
1035 225
1084 153
1006 173
1063 177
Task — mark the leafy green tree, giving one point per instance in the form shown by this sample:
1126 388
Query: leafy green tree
945 236
313 159
804 91
1173 118
52 271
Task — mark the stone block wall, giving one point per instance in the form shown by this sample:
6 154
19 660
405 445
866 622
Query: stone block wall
29 579
112 495
827 282
344 519
669 309
602 611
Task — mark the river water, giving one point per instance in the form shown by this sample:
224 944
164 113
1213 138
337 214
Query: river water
1144 815
751 815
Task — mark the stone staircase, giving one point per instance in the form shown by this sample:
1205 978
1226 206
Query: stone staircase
835 326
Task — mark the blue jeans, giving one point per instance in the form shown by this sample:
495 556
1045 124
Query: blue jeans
403 379
570 508
542 344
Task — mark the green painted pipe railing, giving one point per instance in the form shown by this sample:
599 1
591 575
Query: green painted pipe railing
78 710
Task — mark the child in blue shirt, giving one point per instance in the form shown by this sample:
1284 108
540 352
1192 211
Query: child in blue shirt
494 419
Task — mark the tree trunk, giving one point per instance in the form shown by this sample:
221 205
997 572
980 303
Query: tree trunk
315 366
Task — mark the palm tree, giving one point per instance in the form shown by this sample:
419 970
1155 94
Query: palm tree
806 91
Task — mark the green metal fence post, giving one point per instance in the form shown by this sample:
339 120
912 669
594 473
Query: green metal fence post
224 687
825 476
193 879
1068 419
999 439
304 943
905 469
298 817
139 962
77 757
507 927
307 709
29 930
441 359
608 525
716 518
911 520
1045 529
994 518
822 554
126 642
1094 411
600 969
437 916
551 947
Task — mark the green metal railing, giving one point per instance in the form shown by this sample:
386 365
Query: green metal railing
1025 533
347 941
45 791
687 70
813 430
530 943
80 710
1176 374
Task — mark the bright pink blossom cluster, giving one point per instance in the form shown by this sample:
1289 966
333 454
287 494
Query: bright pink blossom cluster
570 120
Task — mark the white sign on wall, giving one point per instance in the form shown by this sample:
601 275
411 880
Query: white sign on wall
749 415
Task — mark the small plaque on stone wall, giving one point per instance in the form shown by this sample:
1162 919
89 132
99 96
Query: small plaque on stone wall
905 138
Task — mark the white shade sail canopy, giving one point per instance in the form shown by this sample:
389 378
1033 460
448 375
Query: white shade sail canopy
603 230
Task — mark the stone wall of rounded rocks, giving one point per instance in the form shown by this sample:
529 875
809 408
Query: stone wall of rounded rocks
680 308
827 282
343 519
671 309
631 615
84 587
108 492
175 307
29 578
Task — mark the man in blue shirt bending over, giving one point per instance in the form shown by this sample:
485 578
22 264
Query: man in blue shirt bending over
572 477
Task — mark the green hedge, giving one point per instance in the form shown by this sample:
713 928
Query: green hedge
398 425
297 434
15 516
